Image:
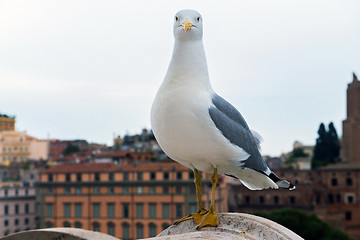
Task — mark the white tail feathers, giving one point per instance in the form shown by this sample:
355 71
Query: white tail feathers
258 138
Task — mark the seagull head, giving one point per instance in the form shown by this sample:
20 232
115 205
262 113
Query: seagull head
188 25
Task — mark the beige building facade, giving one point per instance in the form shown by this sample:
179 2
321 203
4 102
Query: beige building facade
19 147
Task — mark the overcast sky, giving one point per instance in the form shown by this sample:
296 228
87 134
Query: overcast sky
88 69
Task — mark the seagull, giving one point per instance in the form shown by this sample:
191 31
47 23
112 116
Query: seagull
199 129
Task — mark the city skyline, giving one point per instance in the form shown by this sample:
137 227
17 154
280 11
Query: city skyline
87 70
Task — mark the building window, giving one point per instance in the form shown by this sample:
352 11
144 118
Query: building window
152 229
330 198
165 208
152 210
96 227
139 230
97 177
49 190
96 190
139 176
261 199
349 182
78 225
348 216
126 190
166 189
16 222
166 175
139 210
78 177
68 177
66 224
292 199
139 189
67 190
165 226
78 190
334 182
111 176
110 210
126 231
276 200
26 208
191 175
178 189
110 190
125 207
111 228
78 210
67 210
49 224
6 222
349 199
50 177
152 189
179 175
6 210
247 199
152 176
126 176
192 208
26 221
17 209
178 210
49 210
96 210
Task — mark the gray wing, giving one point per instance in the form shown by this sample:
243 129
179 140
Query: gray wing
234 127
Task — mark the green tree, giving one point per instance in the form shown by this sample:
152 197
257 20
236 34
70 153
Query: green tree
327 148
70 149
308 226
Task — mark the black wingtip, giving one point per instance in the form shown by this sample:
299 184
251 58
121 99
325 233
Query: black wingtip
292 187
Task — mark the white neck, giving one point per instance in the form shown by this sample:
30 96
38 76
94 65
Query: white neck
188 64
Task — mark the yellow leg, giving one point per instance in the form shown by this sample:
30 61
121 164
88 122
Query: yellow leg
200 207
211 218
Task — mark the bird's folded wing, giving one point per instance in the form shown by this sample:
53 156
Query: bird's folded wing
233 126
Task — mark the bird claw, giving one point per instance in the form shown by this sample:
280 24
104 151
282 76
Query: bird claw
209 219
196 216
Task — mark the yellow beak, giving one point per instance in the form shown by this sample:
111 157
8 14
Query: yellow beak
187 25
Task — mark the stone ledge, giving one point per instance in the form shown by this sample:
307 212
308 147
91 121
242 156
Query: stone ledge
239 226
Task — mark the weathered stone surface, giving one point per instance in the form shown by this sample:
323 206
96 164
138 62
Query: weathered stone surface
59 234
232 226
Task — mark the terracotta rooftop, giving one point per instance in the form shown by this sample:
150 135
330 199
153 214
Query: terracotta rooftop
83 167
111 167
150 166
121 153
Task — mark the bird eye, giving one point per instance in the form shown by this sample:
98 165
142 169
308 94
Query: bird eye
198 19
176 18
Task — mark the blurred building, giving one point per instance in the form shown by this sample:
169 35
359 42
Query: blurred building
299 158
129 201
19 147
7 123
17 207
331 192
350 147
57 147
